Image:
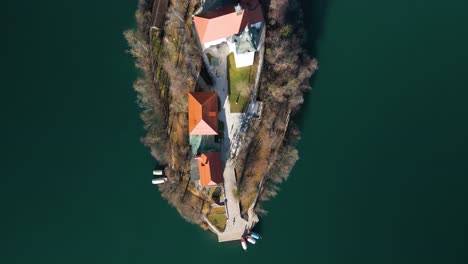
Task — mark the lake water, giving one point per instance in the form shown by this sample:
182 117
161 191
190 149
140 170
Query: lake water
384 160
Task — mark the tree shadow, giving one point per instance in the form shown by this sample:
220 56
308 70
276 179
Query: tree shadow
314 20
315 13
258 228
211 5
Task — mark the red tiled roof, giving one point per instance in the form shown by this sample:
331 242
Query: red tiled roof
209 166
203 113
225 22
253 13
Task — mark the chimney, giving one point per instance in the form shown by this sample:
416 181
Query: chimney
238 9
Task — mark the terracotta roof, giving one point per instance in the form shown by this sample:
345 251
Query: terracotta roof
225 22
253 13
203 113
217 24
209 166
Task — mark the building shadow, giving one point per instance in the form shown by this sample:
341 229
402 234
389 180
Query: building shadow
221 87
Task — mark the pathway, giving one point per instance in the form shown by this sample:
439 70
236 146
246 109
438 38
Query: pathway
235 225
232 121
158 13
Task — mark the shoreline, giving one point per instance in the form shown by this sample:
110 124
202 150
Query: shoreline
246 137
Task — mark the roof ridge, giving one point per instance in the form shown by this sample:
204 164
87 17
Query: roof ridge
202 100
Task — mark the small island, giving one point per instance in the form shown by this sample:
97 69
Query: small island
221 81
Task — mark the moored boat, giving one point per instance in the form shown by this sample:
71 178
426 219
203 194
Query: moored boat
157 172
159 180
255 235
244 244
251 240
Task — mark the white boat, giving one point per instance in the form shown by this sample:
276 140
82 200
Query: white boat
244 244
159 180
157 172
251 240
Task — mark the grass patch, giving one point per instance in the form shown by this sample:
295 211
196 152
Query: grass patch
240 82
217 217
218 210
246 201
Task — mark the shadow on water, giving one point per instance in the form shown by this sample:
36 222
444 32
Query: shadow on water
258 228
314 20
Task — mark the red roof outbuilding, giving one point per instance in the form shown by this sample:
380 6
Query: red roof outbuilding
209 166
203 113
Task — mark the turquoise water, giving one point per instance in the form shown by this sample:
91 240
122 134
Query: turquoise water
383 170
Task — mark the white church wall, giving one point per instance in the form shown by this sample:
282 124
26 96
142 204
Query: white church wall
244 59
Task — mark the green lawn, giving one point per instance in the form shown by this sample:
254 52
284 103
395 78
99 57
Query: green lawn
217 217
218 210
240 81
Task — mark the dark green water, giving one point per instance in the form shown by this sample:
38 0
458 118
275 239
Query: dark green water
383 174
